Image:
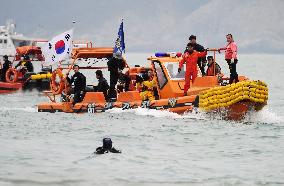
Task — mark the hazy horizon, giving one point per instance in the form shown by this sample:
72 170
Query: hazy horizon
151 26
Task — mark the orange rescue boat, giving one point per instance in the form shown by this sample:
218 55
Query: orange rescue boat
17 79
210 94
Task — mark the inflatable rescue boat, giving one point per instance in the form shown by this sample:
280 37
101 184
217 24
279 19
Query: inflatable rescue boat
209 94
20 79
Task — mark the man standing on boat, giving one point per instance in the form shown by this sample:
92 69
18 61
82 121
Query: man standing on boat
115 64
231 57
190 57
199 48
79 81
6 65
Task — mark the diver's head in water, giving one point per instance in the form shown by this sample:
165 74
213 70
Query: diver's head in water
107 143
107 147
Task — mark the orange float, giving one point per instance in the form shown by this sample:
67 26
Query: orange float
57 88
11 75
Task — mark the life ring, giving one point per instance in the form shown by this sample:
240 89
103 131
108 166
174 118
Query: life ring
57 88
11 72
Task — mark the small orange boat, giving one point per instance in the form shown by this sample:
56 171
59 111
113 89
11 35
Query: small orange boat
22 80
208 93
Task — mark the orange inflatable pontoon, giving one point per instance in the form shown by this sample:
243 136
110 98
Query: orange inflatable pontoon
209 93
20 79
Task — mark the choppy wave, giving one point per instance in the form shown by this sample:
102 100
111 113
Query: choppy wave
266 115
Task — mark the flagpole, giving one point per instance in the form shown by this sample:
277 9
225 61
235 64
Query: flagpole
123 31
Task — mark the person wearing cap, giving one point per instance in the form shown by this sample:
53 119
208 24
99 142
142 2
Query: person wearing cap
210 67
102 85
199 48
190 57
6 65
26 63
115 64
79 81
231 57
107 147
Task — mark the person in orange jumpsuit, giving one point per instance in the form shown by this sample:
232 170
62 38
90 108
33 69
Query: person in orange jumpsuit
190 57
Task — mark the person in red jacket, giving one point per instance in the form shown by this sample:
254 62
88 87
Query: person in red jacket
231 57
190 57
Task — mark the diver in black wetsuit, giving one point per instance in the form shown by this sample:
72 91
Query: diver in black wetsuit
107 147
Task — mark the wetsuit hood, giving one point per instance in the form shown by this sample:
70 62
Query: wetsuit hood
107 143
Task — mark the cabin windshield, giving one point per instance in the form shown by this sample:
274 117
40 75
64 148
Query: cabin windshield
172 69
19 43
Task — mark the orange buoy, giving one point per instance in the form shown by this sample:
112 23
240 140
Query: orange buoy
57 88
11 75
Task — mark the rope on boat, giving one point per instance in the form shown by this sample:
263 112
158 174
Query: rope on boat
224 96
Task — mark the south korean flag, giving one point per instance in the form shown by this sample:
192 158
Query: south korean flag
58 48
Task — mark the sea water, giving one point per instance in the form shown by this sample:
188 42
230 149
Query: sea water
158 147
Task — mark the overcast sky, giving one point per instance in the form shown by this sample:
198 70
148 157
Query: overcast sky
154 25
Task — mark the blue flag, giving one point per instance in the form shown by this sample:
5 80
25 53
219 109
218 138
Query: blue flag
119 43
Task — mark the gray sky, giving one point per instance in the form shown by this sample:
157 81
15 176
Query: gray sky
154 25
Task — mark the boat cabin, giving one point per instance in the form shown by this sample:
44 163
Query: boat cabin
171 83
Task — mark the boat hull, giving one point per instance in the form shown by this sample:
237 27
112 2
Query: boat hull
94 102
238 110
39 85
6 88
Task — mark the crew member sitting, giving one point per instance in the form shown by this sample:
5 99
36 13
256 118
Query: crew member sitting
26 63
124 81
102 85
210 67
107 147
148 86
155 89
79 81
